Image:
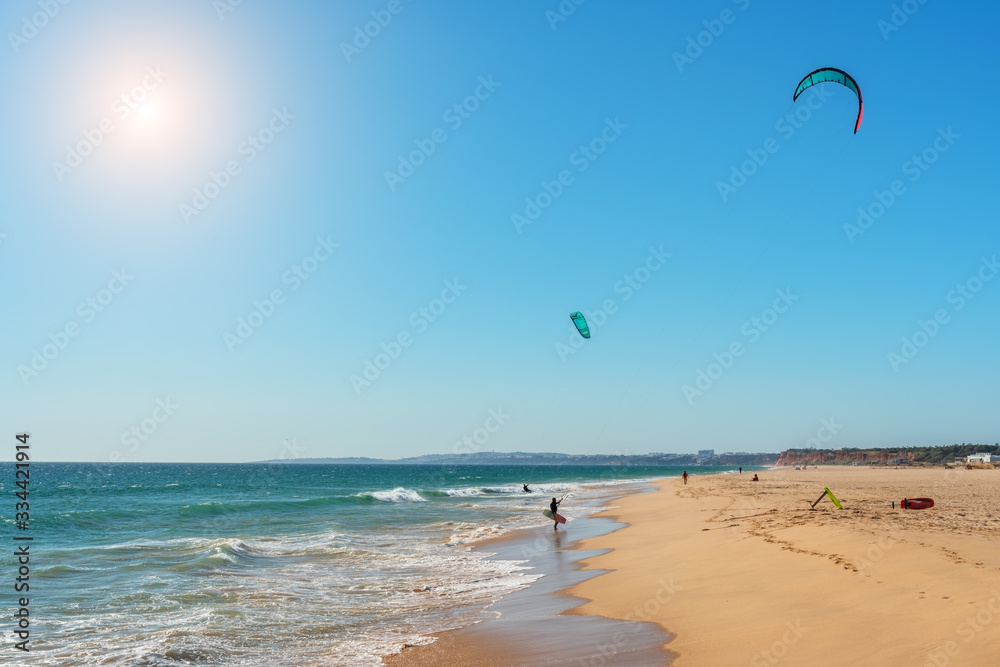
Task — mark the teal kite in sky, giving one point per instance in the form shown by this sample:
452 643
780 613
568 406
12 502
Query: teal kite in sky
581 324
824 74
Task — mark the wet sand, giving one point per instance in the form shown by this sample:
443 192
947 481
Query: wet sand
532 627
747 573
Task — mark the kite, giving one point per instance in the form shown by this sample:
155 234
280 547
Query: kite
581 324
837 76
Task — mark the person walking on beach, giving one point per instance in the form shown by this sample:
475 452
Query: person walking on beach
554 506
741 470
685 476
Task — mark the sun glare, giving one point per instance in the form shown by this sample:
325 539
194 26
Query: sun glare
145 113
149 117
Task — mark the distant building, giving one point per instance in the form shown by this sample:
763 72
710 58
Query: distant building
981 458
706 453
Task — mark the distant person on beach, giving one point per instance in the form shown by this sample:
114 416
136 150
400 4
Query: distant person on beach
685 476
554 506
526 489
755 478
741 470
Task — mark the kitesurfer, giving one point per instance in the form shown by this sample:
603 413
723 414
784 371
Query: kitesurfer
554 506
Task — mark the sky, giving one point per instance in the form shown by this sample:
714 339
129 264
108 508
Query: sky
237 231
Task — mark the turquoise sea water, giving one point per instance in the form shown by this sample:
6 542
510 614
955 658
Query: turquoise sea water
255 564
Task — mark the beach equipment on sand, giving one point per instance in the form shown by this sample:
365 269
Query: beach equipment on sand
833 498
916 503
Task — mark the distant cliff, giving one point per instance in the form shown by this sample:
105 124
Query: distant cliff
795 457
881 456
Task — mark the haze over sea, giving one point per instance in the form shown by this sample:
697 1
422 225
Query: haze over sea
226 564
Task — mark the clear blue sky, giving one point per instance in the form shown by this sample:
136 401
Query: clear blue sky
331 120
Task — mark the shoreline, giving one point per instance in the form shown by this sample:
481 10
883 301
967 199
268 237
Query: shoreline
738 572
536 623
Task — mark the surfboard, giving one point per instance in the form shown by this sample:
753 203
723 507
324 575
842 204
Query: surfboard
558 517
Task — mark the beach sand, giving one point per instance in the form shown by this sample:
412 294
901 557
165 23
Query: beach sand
745 573
750 575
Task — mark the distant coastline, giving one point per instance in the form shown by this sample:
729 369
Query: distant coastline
945 454
554 459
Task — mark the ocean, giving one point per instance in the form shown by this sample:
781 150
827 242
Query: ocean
257 564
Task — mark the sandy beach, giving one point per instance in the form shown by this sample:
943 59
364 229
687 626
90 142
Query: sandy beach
746 573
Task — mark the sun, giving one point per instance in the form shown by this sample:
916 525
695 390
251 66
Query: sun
149 122
146 113
139 106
